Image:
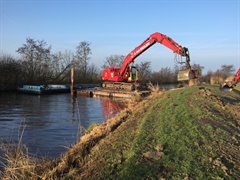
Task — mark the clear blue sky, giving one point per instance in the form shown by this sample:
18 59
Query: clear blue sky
209 28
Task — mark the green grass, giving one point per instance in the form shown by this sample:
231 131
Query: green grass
170 123
173 121
238 87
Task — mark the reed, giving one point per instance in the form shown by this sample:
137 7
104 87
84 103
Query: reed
153 88
16 161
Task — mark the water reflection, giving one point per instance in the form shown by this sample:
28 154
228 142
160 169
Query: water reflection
110 107
53 121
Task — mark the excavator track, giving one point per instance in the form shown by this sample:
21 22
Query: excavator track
121 86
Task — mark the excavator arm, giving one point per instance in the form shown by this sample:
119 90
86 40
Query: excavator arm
155 37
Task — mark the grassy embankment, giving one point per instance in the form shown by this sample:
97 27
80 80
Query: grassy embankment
185 133
238 87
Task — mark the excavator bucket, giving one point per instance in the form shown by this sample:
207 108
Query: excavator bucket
228 84
185 75
226 87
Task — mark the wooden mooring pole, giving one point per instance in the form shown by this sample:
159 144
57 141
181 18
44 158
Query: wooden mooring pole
72 80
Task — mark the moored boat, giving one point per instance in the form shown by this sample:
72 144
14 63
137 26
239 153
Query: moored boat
44 89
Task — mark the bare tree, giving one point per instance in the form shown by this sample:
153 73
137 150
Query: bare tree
198 68
144 69
81 58
56 63
113 60
93 74
164 76
61 65
10 72
36 60
227 70
67 58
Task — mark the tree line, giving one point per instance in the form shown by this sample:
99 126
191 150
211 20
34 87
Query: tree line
39 65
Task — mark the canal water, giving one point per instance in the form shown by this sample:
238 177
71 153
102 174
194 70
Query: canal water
50 123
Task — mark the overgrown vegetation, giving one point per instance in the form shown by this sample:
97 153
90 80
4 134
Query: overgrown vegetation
189 133
238 87
10 73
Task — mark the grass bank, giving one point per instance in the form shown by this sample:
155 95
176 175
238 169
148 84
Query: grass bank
183 134
238 87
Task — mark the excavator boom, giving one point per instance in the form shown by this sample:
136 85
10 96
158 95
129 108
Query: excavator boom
155 37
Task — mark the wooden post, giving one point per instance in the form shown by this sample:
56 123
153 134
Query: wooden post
72 80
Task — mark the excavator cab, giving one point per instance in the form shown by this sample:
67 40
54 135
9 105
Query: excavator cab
132 74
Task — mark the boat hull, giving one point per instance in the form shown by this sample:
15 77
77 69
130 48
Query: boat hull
44 89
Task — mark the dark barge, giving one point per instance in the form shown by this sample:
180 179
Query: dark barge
44 89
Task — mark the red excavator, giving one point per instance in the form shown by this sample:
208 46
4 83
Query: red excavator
231 81
124 78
